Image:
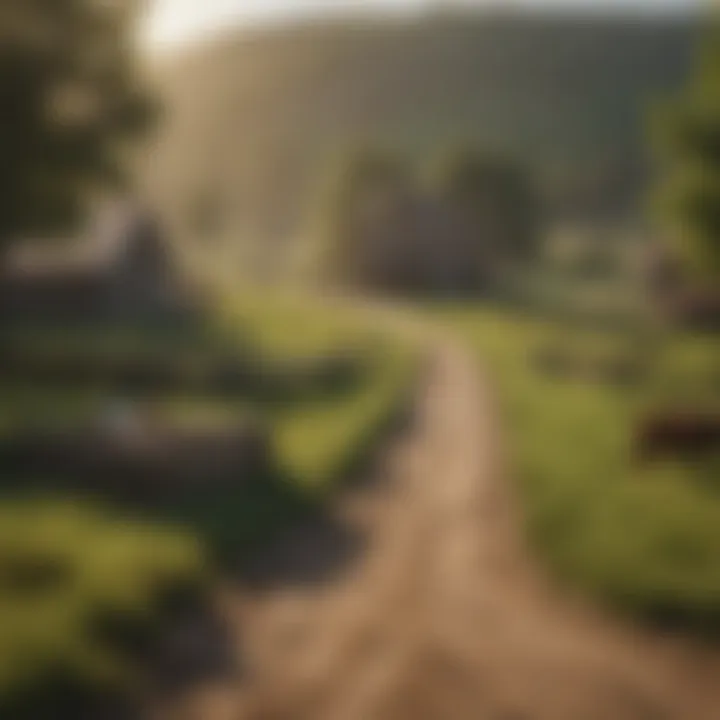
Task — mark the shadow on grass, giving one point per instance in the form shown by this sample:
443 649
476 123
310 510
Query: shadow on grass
317 546
266 534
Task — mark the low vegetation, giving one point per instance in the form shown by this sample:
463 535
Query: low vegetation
68 572
320 441
65 562
643 536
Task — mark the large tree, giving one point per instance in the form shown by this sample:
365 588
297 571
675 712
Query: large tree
69 98
688 135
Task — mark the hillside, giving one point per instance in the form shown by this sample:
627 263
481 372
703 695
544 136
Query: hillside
254 118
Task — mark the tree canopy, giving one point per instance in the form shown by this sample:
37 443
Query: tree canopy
387 228
498 198
688 137
70 97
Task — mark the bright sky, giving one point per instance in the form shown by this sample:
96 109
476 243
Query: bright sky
173 22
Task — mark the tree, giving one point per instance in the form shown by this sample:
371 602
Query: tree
687 134
70 100
497 198
368 182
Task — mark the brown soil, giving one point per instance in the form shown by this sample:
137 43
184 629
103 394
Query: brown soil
420 601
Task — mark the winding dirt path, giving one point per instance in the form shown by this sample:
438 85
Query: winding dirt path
437 611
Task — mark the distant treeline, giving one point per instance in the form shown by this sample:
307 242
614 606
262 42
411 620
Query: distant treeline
256 116
457 231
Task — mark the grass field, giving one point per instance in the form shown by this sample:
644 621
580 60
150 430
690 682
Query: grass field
63 562
646 539
315 433
68 570
321 440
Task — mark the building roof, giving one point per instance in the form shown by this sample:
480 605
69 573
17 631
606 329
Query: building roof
106 240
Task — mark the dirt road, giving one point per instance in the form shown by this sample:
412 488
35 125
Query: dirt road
419 601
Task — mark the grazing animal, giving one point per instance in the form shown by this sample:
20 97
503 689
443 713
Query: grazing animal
687 434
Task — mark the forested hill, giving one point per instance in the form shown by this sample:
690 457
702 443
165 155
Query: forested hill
254 117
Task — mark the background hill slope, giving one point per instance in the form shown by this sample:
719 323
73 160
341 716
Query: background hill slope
254 118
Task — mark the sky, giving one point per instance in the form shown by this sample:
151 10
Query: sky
172 23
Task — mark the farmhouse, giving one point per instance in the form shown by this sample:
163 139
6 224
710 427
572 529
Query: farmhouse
124 270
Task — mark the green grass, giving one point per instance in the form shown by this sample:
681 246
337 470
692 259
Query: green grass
320 441
316 435
64 567
84 562
293 325
646 539
317 442
323 442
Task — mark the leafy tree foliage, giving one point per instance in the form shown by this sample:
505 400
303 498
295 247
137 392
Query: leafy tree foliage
688 136
498 199
69 98
386 229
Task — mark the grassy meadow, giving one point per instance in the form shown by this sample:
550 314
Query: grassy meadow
69 573
66 562
643 537
321 440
